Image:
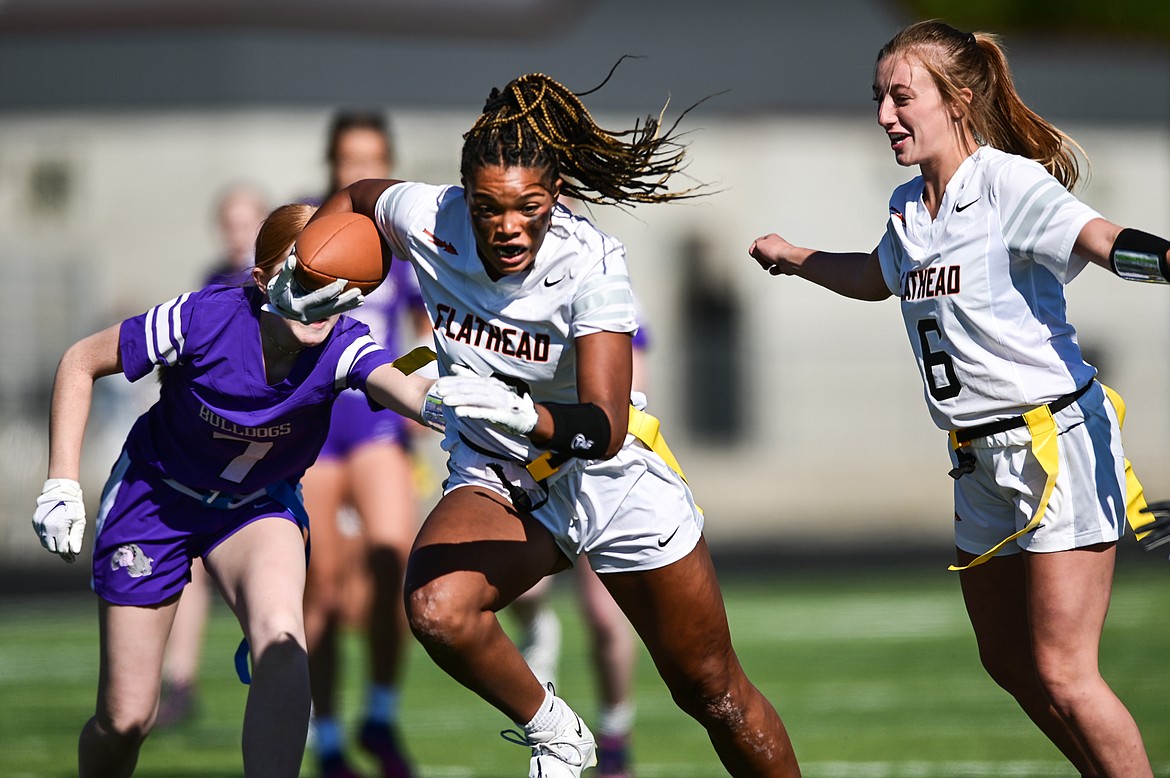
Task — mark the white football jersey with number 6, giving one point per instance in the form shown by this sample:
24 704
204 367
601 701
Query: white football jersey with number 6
982 287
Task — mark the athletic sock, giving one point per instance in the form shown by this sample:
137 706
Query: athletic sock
548 716
381 704
616 719
327 736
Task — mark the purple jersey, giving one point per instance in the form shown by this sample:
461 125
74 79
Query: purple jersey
218 425
386 311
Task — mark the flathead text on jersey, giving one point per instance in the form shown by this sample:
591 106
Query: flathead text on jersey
474 331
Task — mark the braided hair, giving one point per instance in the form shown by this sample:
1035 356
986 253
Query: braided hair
536 122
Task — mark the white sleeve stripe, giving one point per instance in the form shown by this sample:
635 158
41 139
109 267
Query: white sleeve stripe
1028 245
164 338
612 300
177 336
353 352
1035 207
1009 224
148 331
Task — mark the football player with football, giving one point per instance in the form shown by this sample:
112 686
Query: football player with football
554 466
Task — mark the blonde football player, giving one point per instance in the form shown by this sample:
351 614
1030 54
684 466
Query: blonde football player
978 248
520 288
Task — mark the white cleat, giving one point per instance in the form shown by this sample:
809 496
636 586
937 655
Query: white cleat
563 754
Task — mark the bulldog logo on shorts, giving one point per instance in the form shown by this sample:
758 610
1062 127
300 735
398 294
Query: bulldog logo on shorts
131 557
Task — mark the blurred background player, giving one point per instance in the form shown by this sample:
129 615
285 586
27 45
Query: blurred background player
356 567
239 212
612 642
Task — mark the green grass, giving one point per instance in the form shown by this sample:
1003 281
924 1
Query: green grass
874 675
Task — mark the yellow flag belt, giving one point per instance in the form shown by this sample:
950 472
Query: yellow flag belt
1042 428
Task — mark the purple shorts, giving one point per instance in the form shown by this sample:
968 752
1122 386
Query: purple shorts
354 422
148 533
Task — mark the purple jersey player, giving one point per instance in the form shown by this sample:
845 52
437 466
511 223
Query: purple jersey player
211 471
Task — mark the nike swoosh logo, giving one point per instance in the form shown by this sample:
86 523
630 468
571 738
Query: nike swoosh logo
580 733
662 543
961 208
550 282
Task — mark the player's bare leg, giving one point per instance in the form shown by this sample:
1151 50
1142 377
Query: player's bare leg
178 700
1068 597
994 596
132 642
323 487
384 498
614 655
261 572
474 555
678 612
382 492
540 630
614 645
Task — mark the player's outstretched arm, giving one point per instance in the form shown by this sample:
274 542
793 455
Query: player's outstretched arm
1132 254
59 518
83 363
408 395
853 275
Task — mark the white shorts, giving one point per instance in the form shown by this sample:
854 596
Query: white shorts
631 512
1087 505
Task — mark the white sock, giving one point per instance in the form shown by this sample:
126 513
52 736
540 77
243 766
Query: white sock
327 736
548 716
616 719
381 704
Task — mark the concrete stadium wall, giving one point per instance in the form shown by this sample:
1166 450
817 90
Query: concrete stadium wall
105 214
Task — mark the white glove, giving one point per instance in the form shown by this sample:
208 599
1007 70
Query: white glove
292 301
480 397
60 517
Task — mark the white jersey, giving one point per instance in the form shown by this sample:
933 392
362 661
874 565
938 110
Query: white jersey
521 326
982 287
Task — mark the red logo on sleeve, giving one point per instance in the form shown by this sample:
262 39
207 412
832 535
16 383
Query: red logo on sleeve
444 245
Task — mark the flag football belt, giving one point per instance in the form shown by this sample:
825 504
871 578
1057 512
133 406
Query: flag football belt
643 426
414 359
1042 429
215 498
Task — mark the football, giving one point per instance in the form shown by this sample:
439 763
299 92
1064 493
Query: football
340 245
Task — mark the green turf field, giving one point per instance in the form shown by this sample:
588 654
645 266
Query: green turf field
875 675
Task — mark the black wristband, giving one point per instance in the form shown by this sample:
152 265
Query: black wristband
1140 256
581 430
